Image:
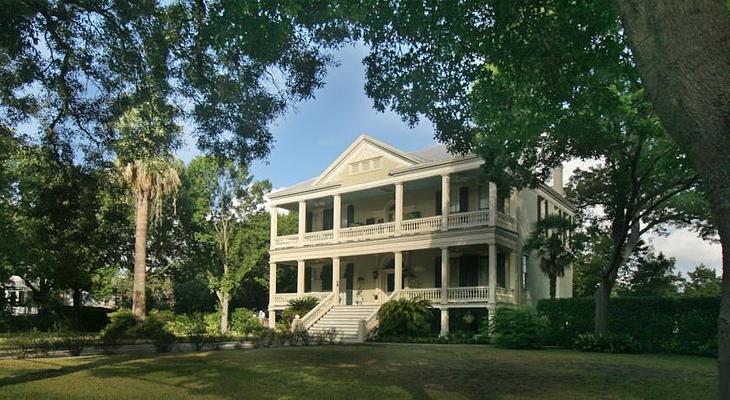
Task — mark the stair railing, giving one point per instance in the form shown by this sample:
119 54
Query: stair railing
320 310
371 322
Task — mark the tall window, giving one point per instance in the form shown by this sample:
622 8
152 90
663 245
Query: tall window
483 197
453 201
350 215
464 199
327 219
437 203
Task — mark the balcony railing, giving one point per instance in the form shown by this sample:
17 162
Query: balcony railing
459 295
287 241
421 225
318 237
374 231
414 226
468 219
505 220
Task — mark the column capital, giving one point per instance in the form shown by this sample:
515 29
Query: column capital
336 258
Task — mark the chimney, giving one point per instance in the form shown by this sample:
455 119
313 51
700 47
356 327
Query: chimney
558 178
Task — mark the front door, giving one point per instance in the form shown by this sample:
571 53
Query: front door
349 283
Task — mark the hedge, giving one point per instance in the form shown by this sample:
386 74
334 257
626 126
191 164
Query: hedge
81 319
676 325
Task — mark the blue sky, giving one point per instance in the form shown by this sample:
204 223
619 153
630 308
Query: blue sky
313 133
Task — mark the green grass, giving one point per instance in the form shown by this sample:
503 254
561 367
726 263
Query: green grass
371 371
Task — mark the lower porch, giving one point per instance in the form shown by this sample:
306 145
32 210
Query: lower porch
463 279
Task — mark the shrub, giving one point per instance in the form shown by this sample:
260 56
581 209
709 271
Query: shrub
21 346
608 343
517 328
405 317
300 336
245 322
120 322
299 306
677 325
80 319
124 326
213 323
74 344
265 338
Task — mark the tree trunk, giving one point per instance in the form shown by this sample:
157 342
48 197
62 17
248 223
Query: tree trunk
682 50
600 312
139 306
553 284
224 313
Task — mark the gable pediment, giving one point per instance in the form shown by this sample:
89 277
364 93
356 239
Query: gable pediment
365 159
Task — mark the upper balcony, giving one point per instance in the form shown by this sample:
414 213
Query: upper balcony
439 203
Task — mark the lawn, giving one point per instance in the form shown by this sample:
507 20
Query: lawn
372 371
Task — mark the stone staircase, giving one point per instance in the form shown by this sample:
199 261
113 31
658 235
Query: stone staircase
345 319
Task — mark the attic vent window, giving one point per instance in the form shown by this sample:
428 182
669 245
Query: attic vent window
362 166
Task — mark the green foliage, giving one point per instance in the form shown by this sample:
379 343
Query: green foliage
678 325
81 319
702 282
405 317
213 323
517 328
245 322
649 274
606 343
299 306
550 240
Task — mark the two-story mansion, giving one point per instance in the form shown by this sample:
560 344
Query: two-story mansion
380 224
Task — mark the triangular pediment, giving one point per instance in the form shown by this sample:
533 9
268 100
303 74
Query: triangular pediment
365 158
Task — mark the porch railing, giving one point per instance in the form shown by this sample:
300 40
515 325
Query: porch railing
320 310
283 298
468 219
431 294
318 237
367 231
418 225
467 294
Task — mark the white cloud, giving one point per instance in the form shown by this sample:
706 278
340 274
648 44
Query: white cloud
688 249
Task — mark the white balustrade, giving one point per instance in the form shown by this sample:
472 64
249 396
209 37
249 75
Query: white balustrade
286 241
368 231
467 294
420 225
431 294
318 237
468 219
505 295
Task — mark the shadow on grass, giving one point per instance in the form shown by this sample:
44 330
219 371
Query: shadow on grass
55 369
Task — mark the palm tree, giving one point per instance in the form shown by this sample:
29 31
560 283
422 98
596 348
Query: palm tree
550 240
150 182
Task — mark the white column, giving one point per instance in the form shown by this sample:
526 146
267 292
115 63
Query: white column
444 275
336 217
398 206
398 270
492 204
300 277
492 274
274 211
336 278
445 201
444 321
302 221
272 293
